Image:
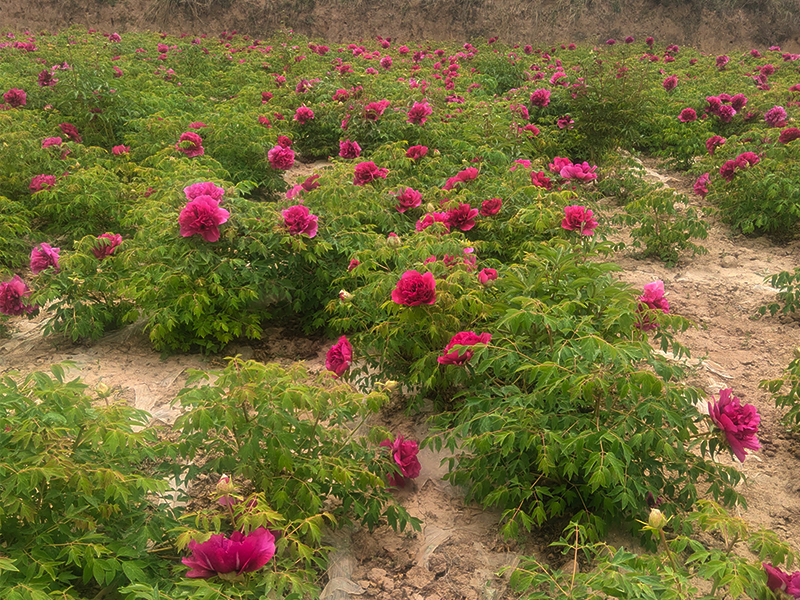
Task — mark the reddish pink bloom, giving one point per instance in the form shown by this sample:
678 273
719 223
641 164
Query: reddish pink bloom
281 158
408 198
777 581
541 180
416 152
339 357
558 164
11 297
738 102
776 117
722 61
373 110
466 175
579 218
487 275
789 135
284 142
652 299
51 141
431 218
238 554
404 454
462 218
310 183
415 289
117 150
581 172
464 338
670 83
43 257
353 264
713 142
297 219
41 182
206 188
190 144
728 170
491 207
341 96
106 245
687 115
747 159
726 113
71 132
366 172
303 115
348 149
15 97
540 97
202 216
419 113
700 185
738 423
197 125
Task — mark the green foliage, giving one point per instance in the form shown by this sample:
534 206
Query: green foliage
15 226
789 295
82 508
789 396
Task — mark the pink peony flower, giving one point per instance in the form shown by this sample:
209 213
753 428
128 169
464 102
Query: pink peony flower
197 125
310 183
373 110
416 152
341 96
581 172
386 62
41 182
303 115
541 180
670 83
777 581
491 207
419 113
46 79
339 357
487 275
190 144
238 554
409 198
464 338
348 149
117 150
43 257
281 158
652 299
15 97
700 185
713 142
738 102
414 289
71 132
202 216
722 61
405 456
206 188
564 122
738 423
463 217
747 159
558 164
467 174
726 113
776 117
51 141
11 297
521 161
540 97
106 244
366 172
687 115
431 218
789 135
579 218
297 219
284 142
353 264
728 170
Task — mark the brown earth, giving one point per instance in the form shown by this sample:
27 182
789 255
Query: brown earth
713 26
459 552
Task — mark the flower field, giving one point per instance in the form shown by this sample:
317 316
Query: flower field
489 253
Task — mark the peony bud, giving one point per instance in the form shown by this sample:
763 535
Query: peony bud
393 241
391 385
345 296
797 353
103 391
657 520
225 485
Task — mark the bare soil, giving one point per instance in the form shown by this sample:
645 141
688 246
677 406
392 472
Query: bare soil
459 553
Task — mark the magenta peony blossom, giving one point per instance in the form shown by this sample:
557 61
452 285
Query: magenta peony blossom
558 164
190 144
51 141
297 219
467 174
579 218
738 423
722 61
348 149
339 357
202 216
366 172
386 62
541 180
415 289
43 257
15 97
431 218
491 207
353 264
581 172
405 456
789 135
464 338
11 296
206 188
41 182
46 79
462 218
670 83
540 97
281 158
419 113
373 110
310 183
197 125
776 117
713 142
652 299
487 275
687 115
700 185
408 198
106 245
238 554
117 150
728 170
71 132
416 152
565 122
777 580
747 159
726 113
303 115
738 102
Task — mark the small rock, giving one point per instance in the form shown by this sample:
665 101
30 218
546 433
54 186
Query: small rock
729 261
243 351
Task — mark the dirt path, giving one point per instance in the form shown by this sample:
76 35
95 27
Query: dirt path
459 550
